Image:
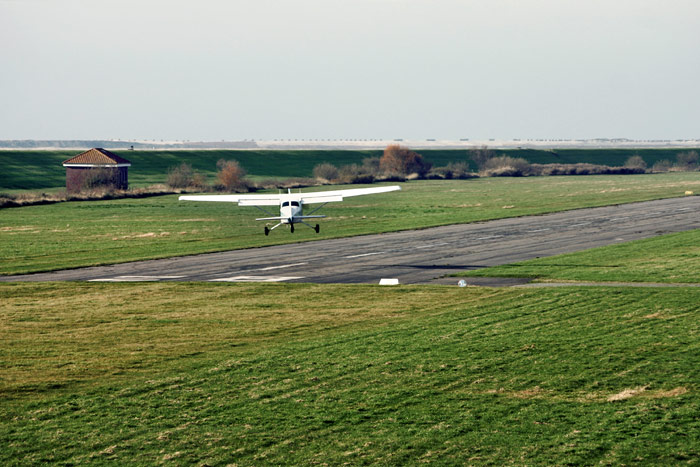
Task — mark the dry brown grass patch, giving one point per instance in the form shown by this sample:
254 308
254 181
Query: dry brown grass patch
627 394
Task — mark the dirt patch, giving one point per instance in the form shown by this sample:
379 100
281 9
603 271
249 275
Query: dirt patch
22 228
627 394
675 392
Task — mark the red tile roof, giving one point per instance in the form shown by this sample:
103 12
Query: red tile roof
97 156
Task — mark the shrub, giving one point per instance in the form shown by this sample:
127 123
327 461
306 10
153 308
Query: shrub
457 170
354 173
481 156
663 165
636 162
582 169
506 166
687 160
398 160
199 180
181 176
372 166
325 172
231 176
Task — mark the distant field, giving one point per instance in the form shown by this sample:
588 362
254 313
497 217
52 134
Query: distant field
668 258
74 234
37 170
242 374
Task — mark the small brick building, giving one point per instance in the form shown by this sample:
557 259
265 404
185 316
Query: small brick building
96 162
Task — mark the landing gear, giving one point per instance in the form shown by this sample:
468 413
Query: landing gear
316 229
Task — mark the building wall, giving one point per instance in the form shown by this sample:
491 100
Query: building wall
80 178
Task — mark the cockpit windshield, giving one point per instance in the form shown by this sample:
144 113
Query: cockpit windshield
290 203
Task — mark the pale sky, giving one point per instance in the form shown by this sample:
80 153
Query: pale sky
335 69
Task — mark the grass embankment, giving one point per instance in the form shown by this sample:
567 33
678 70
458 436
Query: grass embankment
74 234
42 170
671 258
298 374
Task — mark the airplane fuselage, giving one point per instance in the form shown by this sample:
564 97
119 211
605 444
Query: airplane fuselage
289 210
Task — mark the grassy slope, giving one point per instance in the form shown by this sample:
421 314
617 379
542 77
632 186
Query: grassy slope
36 170
40 238
668 258
299 374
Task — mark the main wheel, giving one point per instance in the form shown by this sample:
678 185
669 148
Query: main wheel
318 228
267 231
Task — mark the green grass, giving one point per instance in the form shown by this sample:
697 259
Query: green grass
245 374
41 170
74 234
671 258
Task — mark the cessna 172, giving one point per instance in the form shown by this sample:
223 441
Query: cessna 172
291 204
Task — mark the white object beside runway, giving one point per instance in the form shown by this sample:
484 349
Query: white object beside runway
256 279
388 282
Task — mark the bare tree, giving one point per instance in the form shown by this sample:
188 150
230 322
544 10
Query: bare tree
325 172
481 156
636 162
231 176
399 160
687 160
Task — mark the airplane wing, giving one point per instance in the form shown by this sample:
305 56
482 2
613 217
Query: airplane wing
306 198
338 195
242 200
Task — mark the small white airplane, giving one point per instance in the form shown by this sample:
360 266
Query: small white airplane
291 204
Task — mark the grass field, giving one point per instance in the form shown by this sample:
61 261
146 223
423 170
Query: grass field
299 374
42 170
668 258
73 234
236 374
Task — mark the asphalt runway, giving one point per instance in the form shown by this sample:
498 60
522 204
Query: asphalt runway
412 257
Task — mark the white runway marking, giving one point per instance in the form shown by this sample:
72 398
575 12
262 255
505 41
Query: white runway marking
366 254
489 237
270 268
432 245
579 225
136 278
538 230
256 279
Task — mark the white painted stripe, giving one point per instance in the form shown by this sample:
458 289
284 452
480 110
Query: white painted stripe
578 225
270 268
256 279
432 245
366 254
135 278
489 237
538 230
